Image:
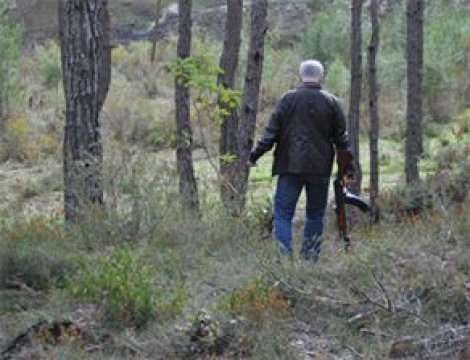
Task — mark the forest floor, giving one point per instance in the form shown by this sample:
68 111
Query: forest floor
402 292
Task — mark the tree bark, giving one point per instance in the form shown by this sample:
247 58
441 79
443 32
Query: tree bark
2 95
158 11
373 110
184 138
229 127
86 65
249 105
1 106
356 83
414 114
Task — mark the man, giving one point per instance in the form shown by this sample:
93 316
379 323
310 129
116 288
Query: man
307 126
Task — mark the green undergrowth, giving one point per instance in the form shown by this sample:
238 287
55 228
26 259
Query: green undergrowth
128 288
34 253
147 268
406 277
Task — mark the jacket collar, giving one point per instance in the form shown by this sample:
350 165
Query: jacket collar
310 85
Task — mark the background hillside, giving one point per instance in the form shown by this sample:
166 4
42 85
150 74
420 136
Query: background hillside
40 17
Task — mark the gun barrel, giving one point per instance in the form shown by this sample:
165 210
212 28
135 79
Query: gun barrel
351 199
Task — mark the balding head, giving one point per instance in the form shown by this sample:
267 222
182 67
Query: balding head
311 71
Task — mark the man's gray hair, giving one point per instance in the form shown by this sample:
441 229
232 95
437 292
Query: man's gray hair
311 69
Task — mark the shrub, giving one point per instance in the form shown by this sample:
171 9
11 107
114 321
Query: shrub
136 120
119 55
50 66
15 139
452 157
121 284
33 252
255 300
21 142
133 62
261 214
432 130
412 201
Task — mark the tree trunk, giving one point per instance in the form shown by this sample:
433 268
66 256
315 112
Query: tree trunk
229 127
1 106
2 114
4 111
373 110
249 105
184 138
84 41
414 114
158 11
356 83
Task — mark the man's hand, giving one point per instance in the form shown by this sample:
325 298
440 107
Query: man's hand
252 160
348 180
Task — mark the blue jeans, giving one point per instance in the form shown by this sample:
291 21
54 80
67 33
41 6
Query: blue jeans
287 194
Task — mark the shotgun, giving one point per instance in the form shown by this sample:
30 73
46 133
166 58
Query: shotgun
343 196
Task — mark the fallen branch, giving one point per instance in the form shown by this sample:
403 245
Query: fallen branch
450 341
381 287
53 333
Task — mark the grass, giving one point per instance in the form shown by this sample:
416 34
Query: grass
233 282
223 267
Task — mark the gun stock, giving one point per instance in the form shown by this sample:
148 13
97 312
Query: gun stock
340 210
343 197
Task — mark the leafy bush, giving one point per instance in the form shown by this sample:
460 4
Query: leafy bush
121 284
255 300
136 120
23 144
200 73
119 55
261 215
16 139
33 252
50 65
133 63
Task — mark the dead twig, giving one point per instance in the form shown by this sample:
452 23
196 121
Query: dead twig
356 353
358 292
361 316
447 342
325 298
381 287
